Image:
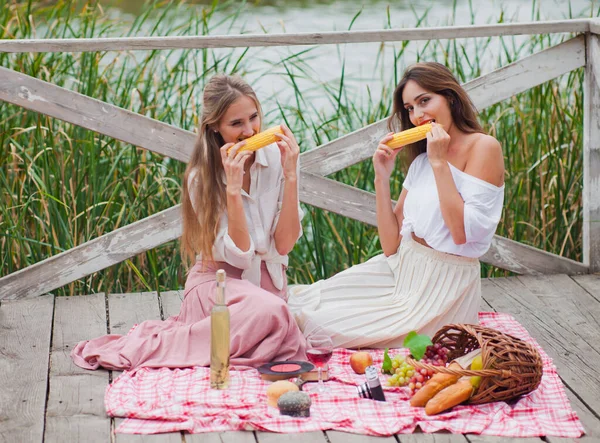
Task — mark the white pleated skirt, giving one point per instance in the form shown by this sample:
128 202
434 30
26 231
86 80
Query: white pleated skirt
377 303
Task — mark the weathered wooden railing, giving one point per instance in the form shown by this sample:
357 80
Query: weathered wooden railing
315 189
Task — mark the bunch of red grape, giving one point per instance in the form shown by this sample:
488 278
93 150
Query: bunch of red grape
435 355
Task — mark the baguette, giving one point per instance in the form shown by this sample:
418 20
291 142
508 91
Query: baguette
434 385
449 397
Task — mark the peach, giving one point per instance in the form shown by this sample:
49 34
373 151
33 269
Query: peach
359 361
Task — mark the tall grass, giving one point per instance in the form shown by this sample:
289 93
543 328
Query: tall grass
61 185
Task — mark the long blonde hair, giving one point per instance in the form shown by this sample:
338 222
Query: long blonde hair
200 228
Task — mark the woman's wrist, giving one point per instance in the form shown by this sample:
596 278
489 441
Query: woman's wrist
233 192
381 181
437 164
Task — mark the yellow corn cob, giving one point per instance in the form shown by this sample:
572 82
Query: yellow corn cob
262 139
409 136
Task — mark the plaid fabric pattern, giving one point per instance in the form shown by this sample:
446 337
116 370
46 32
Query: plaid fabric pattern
168 400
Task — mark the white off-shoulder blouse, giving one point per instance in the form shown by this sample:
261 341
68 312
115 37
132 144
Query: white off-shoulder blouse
423 214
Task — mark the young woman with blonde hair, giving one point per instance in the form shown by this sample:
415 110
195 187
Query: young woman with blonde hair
445 218
240 213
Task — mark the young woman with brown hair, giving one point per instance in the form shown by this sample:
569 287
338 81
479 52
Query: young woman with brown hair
240 213
445 218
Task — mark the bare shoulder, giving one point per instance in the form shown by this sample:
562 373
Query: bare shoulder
486 159
487 146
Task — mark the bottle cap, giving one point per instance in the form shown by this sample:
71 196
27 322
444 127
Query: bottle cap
372 376
221 276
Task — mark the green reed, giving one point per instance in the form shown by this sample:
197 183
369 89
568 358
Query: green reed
62 185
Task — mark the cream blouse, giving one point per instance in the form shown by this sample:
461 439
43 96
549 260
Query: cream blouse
262 207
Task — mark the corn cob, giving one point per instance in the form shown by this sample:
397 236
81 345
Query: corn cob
409 136
261 139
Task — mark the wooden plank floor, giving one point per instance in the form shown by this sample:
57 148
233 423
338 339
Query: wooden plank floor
44 397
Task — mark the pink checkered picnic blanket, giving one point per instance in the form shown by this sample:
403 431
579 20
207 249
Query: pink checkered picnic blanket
168 400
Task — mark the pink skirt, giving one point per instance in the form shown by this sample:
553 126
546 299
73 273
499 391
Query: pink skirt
262 328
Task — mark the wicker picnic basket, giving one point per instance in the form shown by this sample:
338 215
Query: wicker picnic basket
511 367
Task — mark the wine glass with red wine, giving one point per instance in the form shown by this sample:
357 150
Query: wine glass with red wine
320 349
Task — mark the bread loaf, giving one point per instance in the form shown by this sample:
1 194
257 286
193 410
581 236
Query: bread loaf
434 385
449 397
279 388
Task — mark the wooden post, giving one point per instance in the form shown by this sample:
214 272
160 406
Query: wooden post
591 155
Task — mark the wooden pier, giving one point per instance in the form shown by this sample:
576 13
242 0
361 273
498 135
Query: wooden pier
44 397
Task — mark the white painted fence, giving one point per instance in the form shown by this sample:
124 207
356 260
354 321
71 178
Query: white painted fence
315 189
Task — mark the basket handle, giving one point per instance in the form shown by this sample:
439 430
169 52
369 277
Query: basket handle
503 373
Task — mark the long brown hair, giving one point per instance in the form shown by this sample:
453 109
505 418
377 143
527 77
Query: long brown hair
438 79
200 228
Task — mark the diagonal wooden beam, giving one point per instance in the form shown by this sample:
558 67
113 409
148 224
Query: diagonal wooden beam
507 254
337 197
485 91
527 73
146 234
93 256
304 39
95 115
523 259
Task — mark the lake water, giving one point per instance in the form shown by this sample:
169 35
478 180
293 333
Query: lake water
368 66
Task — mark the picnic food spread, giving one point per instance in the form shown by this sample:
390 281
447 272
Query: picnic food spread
162 400
440 373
